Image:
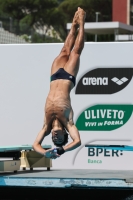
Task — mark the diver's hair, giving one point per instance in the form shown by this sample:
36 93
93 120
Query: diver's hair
65 139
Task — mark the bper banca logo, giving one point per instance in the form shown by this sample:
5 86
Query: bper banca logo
104 117
102 151
104 81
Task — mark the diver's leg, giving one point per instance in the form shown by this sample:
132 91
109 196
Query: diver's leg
72 65
63 57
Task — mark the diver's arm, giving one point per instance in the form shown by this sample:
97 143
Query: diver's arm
37 143
73 131
38 148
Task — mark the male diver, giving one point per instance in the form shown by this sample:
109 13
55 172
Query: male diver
58 111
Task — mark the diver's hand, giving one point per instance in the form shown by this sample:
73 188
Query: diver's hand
50 153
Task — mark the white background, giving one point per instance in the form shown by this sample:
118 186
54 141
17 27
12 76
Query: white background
24 85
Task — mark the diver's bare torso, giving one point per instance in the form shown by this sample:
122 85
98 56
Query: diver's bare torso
58 103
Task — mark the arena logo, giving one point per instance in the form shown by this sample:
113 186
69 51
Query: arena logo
104 81
95 81
119 82
104 117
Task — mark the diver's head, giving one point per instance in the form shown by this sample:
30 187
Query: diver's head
59 134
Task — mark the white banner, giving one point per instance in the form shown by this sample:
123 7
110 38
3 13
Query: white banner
102 101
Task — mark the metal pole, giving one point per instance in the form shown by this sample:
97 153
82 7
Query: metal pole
97 13
116 34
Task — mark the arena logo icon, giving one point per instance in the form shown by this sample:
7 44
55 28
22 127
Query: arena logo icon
104 81
104 117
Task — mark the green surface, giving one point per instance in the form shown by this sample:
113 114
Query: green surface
20 147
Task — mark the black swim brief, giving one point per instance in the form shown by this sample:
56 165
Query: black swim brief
62 74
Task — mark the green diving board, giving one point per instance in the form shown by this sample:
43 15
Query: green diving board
20 147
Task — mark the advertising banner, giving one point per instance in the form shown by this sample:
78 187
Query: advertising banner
102 101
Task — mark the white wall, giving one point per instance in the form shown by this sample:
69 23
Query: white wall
24 85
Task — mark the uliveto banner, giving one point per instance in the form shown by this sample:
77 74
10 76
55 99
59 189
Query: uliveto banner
104 117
